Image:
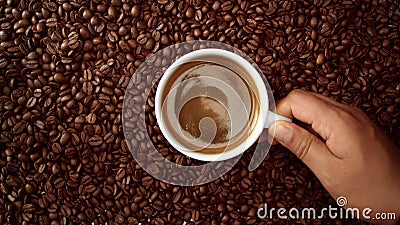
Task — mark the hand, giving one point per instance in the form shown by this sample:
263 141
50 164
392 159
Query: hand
351 158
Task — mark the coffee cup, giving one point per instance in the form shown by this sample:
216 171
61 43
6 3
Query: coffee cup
212 105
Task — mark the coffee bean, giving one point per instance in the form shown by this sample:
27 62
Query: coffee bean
384 30
189 12
91 118
3 63
162 1
313 21
51 22
147 181
149 44
198 16
320 59
29 188
301 20
3 35
95 140
142 39
339 48
31 102
66 60
90 188
109 138
65 138
51 6
56 169
56 147
227 5
112 36
135 11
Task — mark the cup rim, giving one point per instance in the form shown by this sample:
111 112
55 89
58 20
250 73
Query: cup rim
262 95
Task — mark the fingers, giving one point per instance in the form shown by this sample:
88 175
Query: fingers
307 147
344 107
311 109
328 100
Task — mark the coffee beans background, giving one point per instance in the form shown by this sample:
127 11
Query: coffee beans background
64 67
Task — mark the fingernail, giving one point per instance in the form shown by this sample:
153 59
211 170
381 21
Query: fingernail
283 133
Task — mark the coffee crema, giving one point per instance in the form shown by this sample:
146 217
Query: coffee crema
208 107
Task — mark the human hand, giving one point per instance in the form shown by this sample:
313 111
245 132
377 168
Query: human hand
352 157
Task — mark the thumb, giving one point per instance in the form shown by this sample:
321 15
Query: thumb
306 146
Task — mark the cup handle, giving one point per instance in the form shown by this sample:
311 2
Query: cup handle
272 117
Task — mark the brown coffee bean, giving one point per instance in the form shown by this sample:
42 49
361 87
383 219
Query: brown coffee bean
142 39
301 20
66 60
32 55
31 102
90 188
65 210
91 118
147 181
52 6
384 30
65 138
56 169
198 16
252 44
135 11
227 5
3 63
109 138
29 188
112 36
58 77
313 21
320 59
339 48
19 127
3 35
51 22
189 12
56 147
95 140
69 152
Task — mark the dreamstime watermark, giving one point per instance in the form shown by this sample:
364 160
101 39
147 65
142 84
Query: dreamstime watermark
332 212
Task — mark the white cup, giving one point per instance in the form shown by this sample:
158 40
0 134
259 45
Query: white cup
229 60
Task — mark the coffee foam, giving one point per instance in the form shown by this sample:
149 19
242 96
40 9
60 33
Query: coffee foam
208 106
